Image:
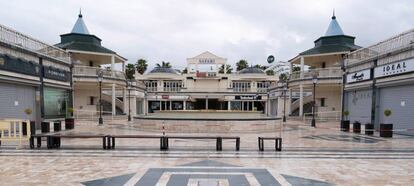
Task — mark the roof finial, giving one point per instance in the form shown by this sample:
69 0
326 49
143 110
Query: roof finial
333 14
80 12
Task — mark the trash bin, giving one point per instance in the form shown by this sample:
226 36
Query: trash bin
69 123
369 129
356 127
386 130
57 126
345 125
45 126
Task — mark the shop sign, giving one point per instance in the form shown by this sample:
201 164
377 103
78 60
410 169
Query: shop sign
165 96
358 76
206 61
394 68
249 97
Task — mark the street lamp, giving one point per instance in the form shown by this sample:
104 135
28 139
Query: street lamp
284 102
100 78
128 83
314 80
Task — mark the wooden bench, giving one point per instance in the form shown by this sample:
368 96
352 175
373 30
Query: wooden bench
54 140
278 142
111 143
219 140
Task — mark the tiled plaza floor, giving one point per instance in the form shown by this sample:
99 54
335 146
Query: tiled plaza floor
321 156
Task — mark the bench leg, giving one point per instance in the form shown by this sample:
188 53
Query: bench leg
261 144
237 144
279 144
113 142
219 144
104 142
39 142
163 143
32 142
48 142
166 143
108 142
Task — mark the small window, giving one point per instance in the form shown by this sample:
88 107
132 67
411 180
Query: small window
322 102
91 63
91 100
323 65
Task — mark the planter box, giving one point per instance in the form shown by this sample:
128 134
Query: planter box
386 130
356 127
69 123
57 126
32 128
345 125
45 126
369 129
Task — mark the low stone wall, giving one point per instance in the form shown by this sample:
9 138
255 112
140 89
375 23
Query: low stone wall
205 126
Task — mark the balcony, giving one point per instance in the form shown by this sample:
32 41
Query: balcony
92 72
395 43
321 73
15 38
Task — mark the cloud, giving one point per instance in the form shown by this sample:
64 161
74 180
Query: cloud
173 30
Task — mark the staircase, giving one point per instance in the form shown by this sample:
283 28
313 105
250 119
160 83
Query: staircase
307 108
295 105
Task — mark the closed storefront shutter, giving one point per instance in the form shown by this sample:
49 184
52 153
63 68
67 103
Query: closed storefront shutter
400 100
358 103
273 107
14 99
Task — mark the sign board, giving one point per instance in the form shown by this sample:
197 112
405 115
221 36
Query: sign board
358 76
394 68
248 97
165 96
270 59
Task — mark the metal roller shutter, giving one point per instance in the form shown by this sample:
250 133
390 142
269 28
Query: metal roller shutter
359 105
14 99
400 100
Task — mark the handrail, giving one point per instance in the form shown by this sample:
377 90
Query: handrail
392 44
94 71
13 37
323 116
319 72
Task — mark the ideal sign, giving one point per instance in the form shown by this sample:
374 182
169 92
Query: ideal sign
358 76
394 68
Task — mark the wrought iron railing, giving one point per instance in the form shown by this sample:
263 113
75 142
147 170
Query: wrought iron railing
16 38
392 44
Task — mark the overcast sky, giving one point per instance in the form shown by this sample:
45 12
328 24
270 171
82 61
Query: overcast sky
173 30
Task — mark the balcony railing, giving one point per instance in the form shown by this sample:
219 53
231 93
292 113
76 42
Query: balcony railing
16 38
397 42
94 71
320 73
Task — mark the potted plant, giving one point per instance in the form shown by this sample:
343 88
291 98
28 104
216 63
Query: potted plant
345 122
356 127
386 128
28 112
69 120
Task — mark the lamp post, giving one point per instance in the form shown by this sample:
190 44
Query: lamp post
129 99
314 80
284 102
100 78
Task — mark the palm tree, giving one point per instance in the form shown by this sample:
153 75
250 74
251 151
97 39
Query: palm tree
283 77
164 65
130 71
242 64
141 66
228 67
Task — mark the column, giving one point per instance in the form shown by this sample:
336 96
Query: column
206 103
302 67
288 103
160 105
170 105
124 96
113 100
300 100
144 107
228 105
184 105
225 69
113 65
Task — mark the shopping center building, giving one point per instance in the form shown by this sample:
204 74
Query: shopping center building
33 75
381 77
202 87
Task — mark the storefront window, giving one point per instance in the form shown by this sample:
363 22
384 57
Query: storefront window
235 105
55 102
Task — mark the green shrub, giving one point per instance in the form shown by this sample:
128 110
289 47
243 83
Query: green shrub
387 112
28 111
